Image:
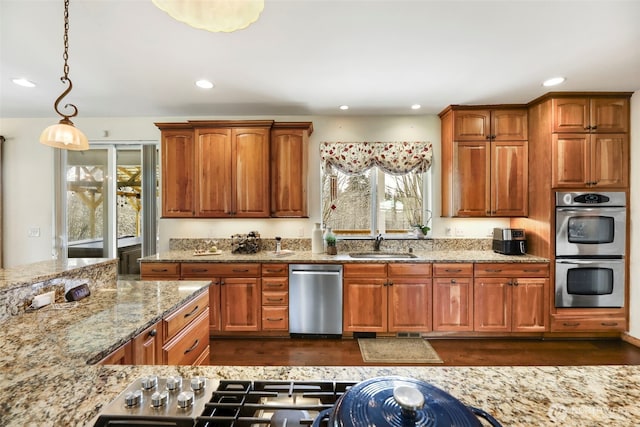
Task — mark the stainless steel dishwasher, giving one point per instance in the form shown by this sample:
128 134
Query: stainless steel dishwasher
315 300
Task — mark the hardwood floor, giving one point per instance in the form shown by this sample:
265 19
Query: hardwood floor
454 352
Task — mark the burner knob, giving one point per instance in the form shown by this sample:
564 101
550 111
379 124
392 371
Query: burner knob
159 399
133 398
185 399
174 383
198 383
149 382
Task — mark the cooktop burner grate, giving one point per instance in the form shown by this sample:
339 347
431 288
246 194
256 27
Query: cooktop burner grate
269 403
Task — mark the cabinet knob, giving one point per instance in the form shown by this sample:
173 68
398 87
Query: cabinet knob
453 281
153 333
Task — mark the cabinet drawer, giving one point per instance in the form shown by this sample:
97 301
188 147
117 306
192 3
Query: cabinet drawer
403 270
275 318
453 270
189 344
275 298
590 324
203 269
364 270
275 284
511 270
176 321
275 270
163 270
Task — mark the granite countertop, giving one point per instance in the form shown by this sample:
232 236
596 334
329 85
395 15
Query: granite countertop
47 381
438 256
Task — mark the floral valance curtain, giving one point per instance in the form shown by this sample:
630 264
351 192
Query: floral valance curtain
397 158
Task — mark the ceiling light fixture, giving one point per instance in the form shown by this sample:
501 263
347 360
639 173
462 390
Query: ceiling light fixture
416 106
24 82
344 107
64 135
553 81
213 15
204 84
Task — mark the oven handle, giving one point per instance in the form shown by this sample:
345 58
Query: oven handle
618 209
587 262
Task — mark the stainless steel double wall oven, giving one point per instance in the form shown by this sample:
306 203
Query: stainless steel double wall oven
590 249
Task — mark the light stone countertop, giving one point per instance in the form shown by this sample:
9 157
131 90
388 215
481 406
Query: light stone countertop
437 256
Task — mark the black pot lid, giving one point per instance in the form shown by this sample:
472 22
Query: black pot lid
372 403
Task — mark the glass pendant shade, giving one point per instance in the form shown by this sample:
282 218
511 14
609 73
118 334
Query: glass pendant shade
65 136
213 15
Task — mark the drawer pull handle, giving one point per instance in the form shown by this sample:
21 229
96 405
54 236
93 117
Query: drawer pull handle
453 270
199 270
571 324
275 285
532 270
609 323
272 319
159 270
237 270
274 299
153 333
275 271
193 347
195 309
491 270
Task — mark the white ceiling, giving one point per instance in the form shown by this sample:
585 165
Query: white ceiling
128 58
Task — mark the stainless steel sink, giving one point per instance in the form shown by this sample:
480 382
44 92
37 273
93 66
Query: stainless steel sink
385 255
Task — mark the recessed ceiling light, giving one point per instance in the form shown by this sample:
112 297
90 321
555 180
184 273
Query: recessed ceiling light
553 81
204 84
24 82
344 107
416 106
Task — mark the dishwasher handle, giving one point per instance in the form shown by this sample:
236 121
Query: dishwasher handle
315 272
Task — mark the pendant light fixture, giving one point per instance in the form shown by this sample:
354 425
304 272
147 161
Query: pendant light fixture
64 134
213 15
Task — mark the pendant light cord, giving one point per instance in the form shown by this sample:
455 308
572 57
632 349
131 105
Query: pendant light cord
65 79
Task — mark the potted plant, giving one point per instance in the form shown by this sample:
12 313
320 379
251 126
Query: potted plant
421 230
330 238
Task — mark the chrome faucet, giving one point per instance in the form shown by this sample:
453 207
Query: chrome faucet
378 242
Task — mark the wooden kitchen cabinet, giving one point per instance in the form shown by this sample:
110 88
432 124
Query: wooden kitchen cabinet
484 162
232 171
275 297
178 166
289 169
234 296
120 356
576 114
160 270
511 297
387 297
596 160
147 346
453 297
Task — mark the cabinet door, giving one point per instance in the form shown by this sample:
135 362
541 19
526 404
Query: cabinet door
409 305
214 305
471 179
609 115
509 125
147 346
289 173
365 305
214 178
120 356
570 160
530 305
492 305
240 300
250 169
570 114
178 165
609 160
509 178
472 125
452 304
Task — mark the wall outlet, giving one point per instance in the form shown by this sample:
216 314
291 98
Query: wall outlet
459 232
33 232
447 231
44 299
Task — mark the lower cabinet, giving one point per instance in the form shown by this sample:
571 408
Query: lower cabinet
191 345
275 298
387 297
588 320
511 297
160 270
147 346
120 356
453 297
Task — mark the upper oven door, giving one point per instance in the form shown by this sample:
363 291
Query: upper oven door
597 231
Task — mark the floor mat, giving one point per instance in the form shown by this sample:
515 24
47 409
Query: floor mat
397 350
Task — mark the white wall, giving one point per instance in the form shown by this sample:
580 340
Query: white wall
634 282
28 168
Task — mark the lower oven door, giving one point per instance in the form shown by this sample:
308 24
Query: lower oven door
590 283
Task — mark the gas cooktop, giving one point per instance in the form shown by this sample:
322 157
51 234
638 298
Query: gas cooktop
202 402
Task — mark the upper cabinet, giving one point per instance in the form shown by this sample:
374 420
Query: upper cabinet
484 161
590 141
234 169
289 169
